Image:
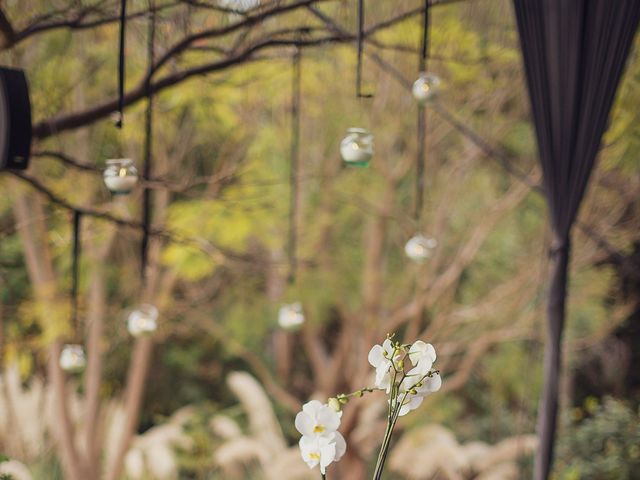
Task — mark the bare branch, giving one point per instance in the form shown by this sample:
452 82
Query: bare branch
78 21
78 119
199 243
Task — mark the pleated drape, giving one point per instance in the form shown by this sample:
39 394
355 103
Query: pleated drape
574 54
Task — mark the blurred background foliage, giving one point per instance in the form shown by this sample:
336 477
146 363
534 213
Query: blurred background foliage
234 126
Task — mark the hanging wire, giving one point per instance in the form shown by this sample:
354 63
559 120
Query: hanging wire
422 120
359 93
424 50
294 163
148 147
121 64
75 266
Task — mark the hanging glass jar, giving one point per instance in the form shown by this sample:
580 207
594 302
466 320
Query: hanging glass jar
419 247
72 358
426 88
143 320
120 176
356 148
291 316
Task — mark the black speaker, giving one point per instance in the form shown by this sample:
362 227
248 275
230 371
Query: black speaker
15 120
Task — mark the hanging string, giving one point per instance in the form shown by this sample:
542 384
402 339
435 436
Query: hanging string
422 120
424 50
294 163
75 266
148 147
359 93
121 65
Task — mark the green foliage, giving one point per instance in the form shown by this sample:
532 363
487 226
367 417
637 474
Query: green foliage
603 446
622 140
500 401
197 460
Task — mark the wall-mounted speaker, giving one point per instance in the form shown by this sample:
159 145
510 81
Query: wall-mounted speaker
15 120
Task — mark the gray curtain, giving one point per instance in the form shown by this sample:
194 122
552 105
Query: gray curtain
574 54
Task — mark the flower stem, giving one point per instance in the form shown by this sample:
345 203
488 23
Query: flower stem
324 477
390 423
385 441
385 451
394 413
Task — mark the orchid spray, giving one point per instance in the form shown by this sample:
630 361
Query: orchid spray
404 371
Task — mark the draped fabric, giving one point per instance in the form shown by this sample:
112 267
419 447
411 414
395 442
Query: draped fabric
574 54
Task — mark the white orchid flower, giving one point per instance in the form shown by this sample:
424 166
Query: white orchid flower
411 402
422 384
381 357
430 385
322 451
317 451
422 355
418 383
317 420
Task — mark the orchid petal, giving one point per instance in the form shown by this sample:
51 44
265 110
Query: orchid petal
375 356
341 446
304 424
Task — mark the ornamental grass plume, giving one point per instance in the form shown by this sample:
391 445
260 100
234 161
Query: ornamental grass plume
404 371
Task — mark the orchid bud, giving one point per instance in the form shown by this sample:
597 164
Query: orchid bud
335 404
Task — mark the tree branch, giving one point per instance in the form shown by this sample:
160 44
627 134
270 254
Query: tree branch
201 244
76 22
75 120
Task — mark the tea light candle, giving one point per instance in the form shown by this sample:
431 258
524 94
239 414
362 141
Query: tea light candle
120 176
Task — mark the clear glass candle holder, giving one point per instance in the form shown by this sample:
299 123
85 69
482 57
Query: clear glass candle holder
143 320
356 148
426 88
72 358
291 316
420 247
120 176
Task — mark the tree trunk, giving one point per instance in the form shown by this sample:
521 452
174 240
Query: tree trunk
93 378
30 221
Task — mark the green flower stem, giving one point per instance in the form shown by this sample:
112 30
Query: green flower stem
385 441
395 386
357 393
386 448
394 414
